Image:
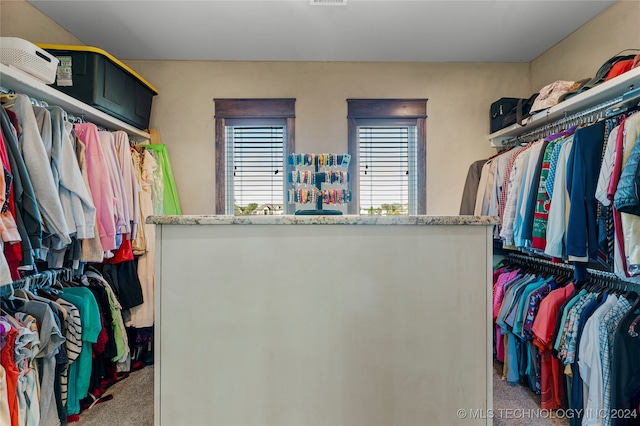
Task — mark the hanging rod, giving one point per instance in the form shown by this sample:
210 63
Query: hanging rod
70 117
593 273
588 115
37 279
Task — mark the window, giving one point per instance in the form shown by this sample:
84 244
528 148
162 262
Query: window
253 139
387 143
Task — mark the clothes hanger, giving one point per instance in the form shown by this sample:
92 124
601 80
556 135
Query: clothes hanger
46 281
92 268
629 101
7 286
6 97
26 295
562 280
632 327
9 303
26 291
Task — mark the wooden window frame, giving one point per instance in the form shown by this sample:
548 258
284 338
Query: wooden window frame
249 110
412 112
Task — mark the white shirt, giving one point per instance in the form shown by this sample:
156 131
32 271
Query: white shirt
630 222
513 188
525 193
501 161
559 208
484 179
604 178
590 365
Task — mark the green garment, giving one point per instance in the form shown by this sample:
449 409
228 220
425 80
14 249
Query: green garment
91 327
118 327
170 203
565 312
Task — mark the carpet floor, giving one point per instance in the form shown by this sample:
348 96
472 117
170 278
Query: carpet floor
517 405
132 403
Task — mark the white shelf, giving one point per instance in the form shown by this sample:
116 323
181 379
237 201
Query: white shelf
21 82
601 93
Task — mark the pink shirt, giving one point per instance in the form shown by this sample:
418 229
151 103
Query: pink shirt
498 290
101 189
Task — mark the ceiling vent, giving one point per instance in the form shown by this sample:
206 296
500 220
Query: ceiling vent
328 2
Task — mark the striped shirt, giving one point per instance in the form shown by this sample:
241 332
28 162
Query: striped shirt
73 344
568 348
553 164
505 181
607 330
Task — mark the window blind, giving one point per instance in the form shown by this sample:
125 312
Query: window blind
255 169
388 169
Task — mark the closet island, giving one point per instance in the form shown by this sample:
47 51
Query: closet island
323 320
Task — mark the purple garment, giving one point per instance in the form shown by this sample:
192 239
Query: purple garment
5 327
534 304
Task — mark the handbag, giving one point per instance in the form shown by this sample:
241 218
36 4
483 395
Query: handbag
507 111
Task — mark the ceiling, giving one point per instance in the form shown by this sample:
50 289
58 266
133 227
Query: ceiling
295 30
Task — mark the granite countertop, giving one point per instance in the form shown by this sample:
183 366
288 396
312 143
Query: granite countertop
321 220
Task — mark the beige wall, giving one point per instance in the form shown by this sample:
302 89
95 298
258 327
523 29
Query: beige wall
459 95
580 54
19 19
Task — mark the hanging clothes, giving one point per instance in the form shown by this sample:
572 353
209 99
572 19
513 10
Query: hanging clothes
518 170
557 218
92 250
75 198
11 371
77 204
10 233
100 184
557 192
123 220
468 203
625 368
27 213
37 163
583 168
582 337
170 201
129 181
142 316
631 223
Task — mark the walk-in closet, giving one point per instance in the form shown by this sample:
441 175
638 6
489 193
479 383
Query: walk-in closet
319 213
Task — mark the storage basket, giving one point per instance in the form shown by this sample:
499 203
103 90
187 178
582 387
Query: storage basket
29 58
